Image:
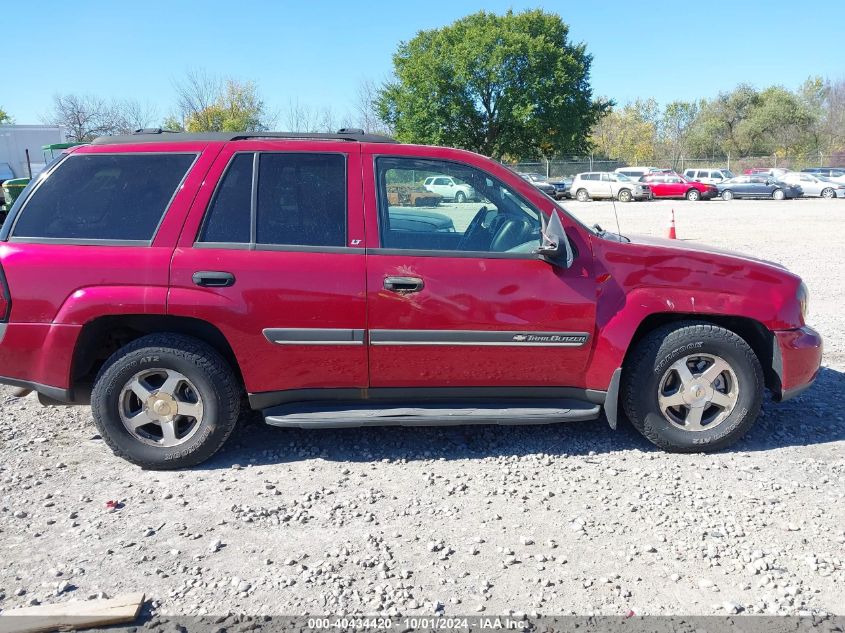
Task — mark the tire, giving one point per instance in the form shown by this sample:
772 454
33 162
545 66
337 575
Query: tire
727 194
624 195
828 193
581 195
693 195
778 194
208 388
460 197
650 371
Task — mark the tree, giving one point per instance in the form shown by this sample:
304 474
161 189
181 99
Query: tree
507 86
85 117
367 109
206 103
5 119
678 117
628 134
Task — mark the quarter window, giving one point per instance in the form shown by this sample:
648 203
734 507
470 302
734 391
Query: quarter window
114 197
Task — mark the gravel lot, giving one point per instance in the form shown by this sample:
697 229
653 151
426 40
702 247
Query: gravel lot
559 519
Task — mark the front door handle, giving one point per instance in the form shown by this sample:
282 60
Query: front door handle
403 284
213 279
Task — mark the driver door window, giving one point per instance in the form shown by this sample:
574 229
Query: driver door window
478 214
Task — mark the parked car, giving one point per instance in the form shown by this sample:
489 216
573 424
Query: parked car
635 173
449 188
777 172
189 277
836 174
813 186
708 176
540 181
594 185
759 186
672 185
562 188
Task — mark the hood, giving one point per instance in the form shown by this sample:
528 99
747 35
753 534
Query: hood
695 247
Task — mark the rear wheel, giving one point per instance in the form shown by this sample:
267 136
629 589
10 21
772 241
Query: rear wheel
778 194
828 193
460 197
692 387
166 401
581 195
624 195
693 195
727 194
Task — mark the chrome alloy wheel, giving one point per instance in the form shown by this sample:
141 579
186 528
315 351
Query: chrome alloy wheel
698 392
160 407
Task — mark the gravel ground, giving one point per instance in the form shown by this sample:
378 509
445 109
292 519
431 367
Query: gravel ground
561 519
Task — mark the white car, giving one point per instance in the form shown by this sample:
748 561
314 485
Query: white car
709 176
813 186
593 185
450 188
635 173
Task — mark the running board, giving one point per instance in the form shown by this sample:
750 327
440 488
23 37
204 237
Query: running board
331 415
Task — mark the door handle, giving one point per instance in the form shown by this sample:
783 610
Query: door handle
213 279
403 284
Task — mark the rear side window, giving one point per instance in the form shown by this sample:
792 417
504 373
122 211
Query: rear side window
298 199
115 197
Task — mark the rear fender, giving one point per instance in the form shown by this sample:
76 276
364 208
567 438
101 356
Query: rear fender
86 304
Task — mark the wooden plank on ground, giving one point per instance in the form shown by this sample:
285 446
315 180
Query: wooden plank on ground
72 615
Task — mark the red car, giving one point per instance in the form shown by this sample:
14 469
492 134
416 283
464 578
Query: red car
672 185
175 281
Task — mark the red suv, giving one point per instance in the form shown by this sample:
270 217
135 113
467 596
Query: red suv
175 281
672 185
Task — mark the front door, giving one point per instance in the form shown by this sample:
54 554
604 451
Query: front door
273 257
459 299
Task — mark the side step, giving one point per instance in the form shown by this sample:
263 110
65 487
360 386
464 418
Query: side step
333 415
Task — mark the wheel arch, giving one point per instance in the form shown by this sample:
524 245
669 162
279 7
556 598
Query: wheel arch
102 336
758 336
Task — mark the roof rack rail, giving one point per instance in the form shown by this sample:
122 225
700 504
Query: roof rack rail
159 135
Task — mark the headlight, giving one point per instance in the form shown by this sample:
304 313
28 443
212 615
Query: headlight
804 300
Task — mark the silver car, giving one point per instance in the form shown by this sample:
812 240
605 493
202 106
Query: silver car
813 186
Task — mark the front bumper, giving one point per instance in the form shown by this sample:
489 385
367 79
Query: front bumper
797 359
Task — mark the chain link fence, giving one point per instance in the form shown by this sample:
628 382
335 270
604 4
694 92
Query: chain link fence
569 166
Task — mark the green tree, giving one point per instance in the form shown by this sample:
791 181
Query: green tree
206 103
5 118
510 86
628 134
676 121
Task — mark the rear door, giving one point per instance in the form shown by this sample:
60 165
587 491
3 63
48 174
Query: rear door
480 309
272 256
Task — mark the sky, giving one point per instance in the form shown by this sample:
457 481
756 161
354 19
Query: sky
317 52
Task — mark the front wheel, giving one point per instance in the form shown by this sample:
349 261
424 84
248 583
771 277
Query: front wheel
166 401
625 196
581 195
692 387
693 195
460 197
828 193
778 194
727 194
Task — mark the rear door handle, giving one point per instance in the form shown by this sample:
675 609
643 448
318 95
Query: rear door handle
403 284
213 279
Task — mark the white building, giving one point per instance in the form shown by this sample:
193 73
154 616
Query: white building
15 140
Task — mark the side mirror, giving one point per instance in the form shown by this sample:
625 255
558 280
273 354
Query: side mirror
555 247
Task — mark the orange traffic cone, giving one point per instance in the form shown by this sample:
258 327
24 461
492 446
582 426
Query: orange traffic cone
672 235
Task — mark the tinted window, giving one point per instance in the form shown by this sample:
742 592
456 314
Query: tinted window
228 216
301 199
104 197
494 218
